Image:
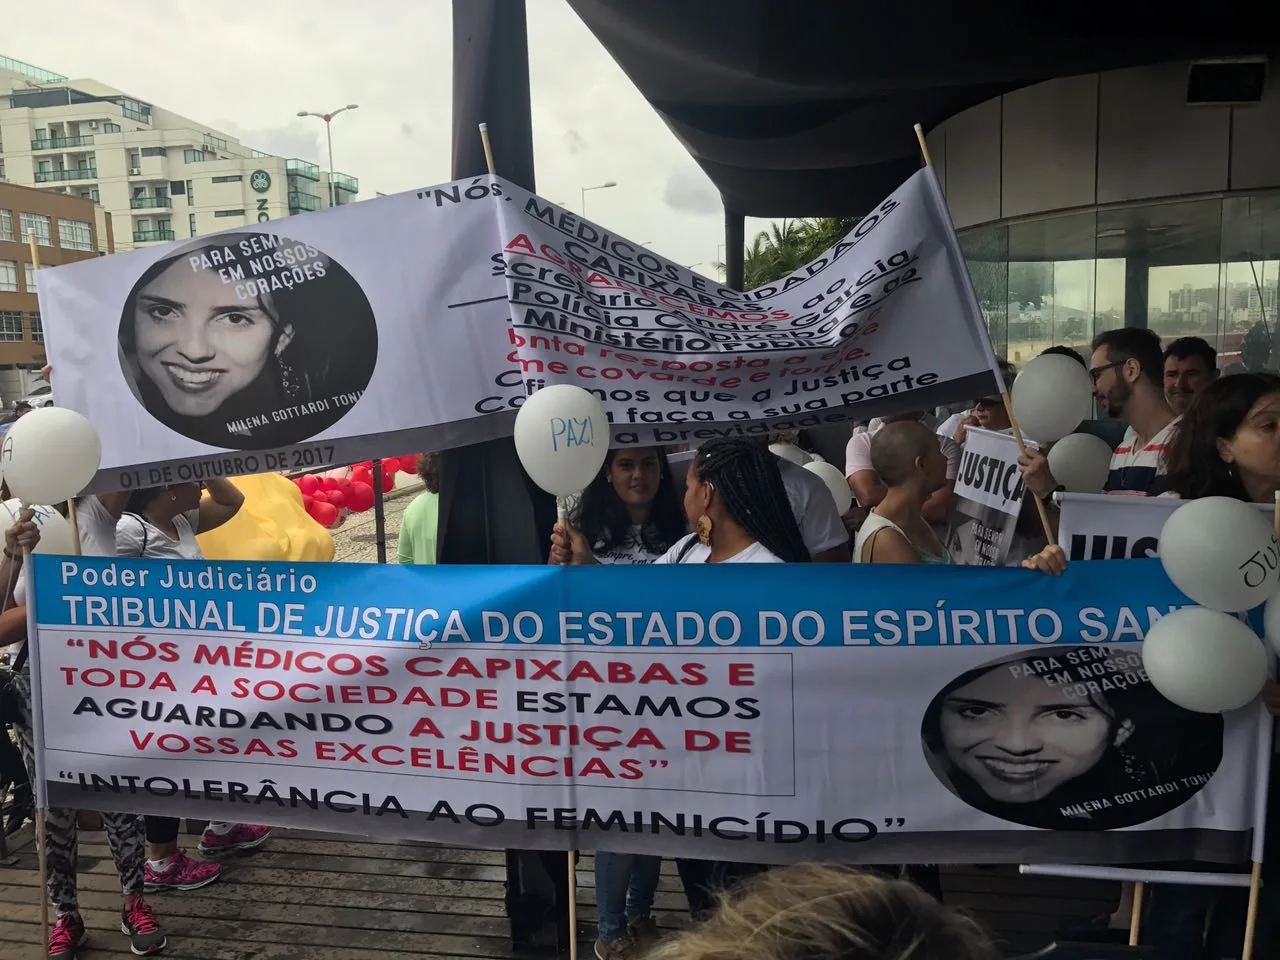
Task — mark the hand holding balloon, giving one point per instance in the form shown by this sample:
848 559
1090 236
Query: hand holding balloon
23 536
1051 560
569 547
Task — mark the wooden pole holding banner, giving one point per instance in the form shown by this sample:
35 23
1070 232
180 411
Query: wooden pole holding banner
379 513
1135 913
42 853
561 517
1004 392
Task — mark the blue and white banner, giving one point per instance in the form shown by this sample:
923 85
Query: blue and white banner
762 713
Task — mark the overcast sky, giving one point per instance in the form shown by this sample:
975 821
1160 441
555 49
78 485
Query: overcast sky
248 66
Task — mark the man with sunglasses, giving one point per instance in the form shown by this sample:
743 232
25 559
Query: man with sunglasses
1127 369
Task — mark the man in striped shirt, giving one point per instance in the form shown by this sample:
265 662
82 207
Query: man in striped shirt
1127 369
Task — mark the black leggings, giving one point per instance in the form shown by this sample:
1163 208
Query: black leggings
162 829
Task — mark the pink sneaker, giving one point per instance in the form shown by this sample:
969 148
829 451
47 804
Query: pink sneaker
241 836
181 873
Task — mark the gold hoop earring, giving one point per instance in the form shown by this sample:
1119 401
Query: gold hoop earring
704 530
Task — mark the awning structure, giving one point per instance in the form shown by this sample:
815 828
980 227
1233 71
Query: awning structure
805 107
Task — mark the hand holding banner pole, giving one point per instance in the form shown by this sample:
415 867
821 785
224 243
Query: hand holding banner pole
1004 390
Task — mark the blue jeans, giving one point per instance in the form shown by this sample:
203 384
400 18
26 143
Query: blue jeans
625 887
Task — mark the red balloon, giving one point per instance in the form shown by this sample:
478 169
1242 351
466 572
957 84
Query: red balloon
360 497
337 499
388 481
409 464
328 483
366 465
343 486
308 483
361 475
325 514
307 501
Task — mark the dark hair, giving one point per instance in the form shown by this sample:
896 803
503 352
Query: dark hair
429 471
747 477
1195 468
603 519
1186 347
1132 343
1063 351
142 498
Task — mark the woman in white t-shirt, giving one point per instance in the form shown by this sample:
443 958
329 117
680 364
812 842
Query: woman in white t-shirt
161 523
630 513
737 503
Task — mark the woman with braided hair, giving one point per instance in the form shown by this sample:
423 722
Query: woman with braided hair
736 501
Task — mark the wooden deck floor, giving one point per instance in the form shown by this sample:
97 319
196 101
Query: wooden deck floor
312 897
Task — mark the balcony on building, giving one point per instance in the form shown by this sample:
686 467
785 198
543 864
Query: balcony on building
300 202
300 168
73 173
342 181
152 236
61 143
150 203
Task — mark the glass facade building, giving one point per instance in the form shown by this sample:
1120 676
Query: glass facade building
1108 200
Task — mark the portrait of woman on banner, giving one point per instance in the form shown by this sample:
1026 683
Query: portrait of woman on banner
1073 739
247 341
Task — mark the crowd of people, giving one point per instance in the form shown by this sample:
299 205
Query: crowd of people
1186 432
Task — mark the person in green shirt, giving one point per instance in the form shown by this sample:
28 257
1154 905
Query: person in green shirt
417 542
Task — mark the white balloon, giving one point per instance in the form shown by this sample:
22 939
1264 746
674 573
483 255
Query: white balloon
562 437
55 531
1204 660
790 452
1051 396
836 483
1080 462
1221 553
49 455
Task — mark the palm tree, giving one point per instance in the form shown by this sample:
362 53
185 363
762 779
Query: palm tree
786 247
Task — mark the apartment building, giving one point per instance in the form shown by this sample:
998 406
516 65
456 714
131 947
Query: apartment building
66 229
161 176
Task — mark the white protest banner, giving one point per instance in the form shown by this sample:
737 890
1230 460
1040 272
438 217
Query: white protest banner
884 320
986 500
423 320
751 712
1094 526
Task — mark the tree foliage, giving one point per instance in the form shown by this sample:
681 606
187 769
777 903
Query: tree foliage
788 245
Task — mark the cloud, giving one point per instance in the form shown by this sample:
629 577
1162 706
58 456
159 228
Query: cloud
289 141
689 192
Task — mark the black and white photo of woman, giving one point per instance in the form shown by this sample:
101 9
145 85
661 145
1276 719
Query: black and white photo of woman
1070 739
247 341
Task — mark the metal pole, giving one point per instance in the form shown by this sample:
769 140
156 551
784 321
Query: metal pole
584 201
328 132
379 513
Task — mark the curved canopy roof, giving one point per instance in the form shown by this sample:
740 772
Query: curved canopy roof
805 107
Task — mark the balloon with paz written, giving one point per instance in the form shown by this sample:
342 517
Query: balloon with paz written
55 531
1051 396
1080 462
49 455
1204 660
836 483
1222 553
562 437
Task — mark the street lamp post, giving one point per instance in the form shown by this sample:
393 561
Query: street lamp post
599 186
328 132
